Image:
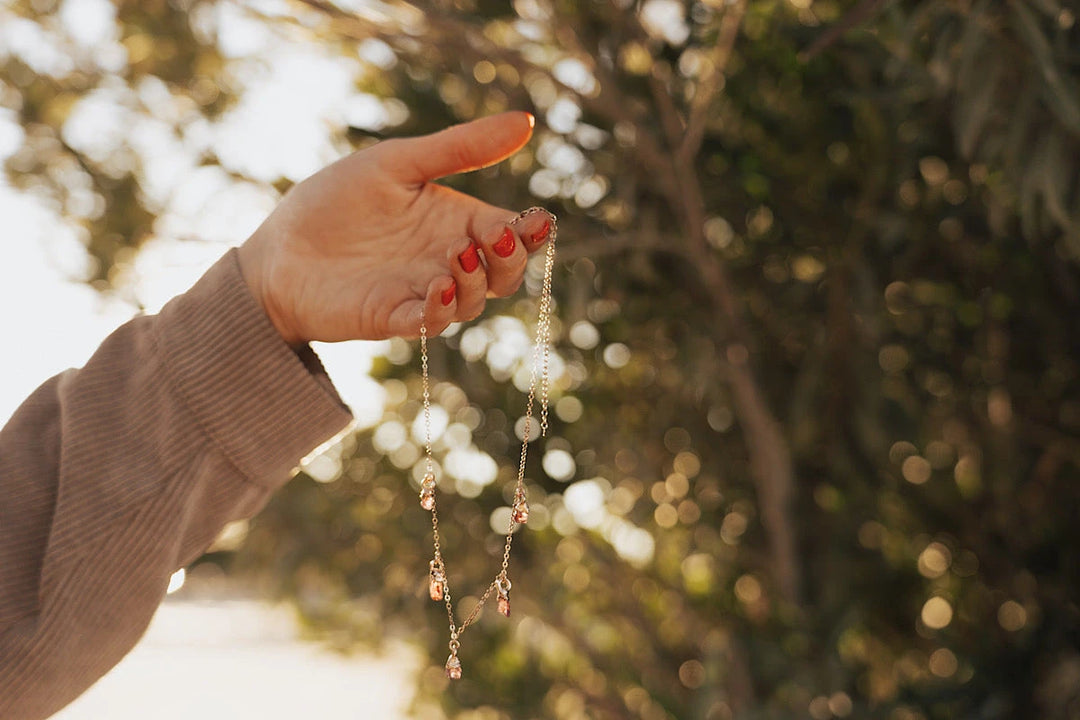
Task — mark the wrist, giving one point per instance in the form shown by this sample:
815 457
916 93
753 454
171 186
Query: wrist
254 270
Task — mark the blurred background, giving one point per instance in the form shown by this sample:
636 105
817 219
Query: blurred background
816 411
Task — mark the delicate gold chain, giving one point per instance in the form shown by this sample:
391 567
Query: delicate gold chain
539 386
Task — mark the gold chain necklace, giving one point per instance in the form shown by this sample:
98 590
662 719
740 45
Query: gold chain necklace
438 581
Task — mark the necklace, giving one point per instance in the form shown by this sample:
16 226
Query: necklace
438 580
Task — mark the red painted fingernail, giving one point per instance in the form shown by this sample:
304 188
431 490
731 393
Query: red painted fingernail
505 246
470 259
541 234
448 293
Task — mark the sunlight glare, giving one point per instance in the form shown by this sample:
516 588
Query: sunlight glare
440 419
90 23
585 501
176 581
472 465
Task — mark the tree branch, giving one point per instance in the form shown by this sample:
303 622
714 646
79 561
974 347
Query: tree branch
673 124
770 456
858 15
710 85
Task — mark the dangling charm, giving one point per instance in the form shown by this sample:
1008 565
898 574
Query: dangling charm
427 491
436 581
502 586
453 666
520 513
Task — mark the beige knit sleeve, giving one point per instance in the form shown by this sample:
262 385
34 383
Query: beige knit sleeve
115 475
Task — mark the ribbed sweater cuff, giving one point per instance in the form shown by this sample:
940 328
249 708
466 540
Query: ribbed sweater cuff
253 396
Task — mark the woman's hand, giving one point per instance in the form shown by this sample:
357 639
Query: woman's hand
358 249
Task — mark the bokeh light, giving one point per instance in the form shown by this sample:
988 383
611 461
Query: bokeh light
936 613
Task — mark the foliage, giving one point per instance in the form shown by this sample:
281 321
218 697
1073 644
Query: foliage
818 335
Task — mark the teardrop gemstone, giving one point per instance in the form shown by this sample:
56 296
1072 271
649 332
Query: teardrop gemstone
453 668
435 588
436 581
520 512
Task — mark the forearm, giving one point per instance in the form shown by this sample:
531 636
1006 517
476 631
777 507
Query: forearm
115 475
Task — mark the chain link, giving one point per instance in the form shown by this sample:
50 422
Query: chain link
540 376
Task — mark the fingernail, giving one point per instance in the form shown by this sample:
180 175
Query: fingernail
448 293
541 234
505 246
469 259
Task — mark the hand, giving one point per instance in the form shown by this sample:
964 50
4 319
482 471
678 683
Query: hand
358 249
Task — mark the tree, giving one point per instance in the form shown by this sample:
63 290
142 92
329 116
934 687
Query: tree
816 420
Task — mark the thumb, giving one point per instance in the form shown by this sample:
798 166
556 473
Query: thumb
460 148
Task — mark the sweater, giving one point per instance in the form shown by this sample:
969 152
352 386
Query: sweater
115 475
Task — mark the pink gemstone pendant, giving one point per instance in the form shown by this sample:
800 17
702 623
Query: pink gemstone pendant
453 667
427 491
520 513
436 582
502 586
